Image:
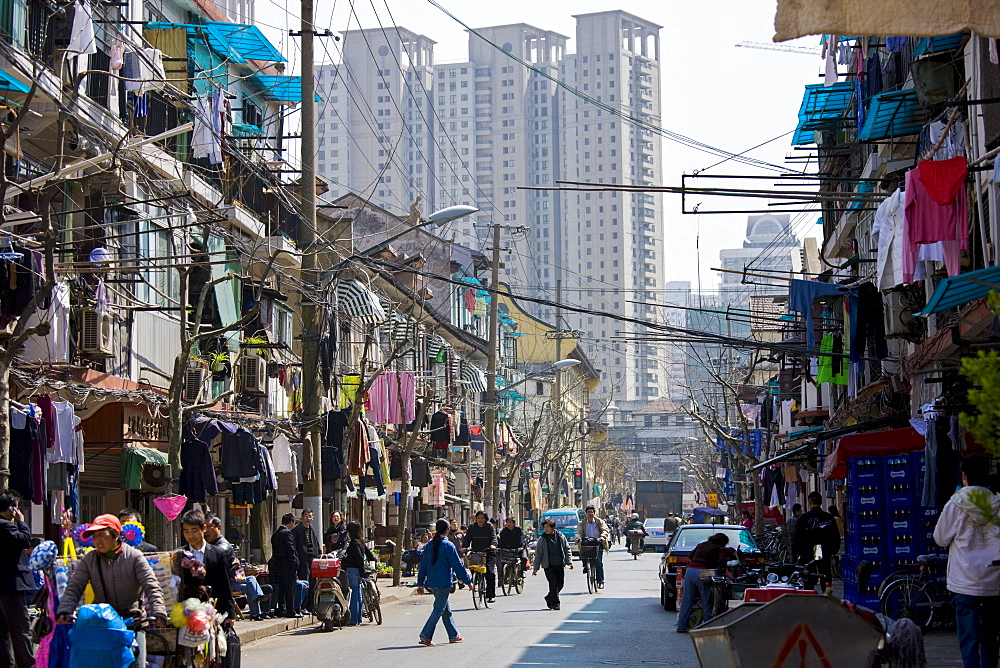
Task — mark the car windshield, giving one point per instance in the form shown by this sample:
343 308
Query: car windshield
655 523
687 538
563 521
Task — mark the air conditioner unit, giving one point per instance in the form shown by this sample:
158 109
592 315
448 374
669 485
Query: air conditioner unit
96 332
194 384
899 322
253 375
154 477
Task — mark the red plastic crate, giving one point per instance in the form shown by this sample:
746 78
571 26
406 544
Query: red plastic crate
325 568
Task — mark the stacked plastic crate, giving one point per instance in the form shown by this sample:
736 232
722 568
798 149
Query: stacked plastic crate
886 523
866 535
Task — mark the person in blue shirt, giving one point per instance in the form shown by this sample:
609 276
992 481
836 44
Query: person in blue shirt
438 567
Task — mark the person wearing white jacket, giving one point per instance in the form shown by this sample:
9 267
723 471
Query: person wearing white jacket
972 536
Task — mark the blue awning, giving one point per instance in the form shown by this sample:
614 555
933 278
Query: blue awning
894 114
9 83
822 108
235 41
962 289
863 188
279 87
939 43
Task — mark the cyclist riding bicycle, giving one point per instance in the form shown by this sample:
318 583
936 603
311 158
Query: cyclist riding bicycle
592 529
512 538
635 524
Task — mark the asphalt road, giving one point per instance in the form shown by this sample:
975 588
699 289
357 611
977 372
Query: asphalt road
621 625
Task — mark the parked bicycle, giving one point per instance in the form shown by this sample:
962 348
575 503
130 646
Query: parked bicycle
776 545
371 607
477 564
512 575
921 596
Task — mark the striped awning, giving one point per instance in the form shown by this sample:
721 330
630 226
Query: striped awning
435 345
475 377
359 303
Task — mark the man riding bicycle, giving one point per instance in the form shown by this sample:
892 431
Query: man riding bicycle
594 531
635 524
512 538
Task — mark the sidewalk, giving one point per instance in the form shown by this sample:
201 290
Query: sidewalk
249 630
941 646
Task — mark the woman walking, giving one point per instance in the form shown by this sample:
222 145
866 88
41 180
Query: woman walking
552 554
354 564
440 561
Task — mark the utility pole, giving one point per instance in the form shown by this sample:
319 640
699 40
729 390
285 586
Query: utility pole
491 375
312 489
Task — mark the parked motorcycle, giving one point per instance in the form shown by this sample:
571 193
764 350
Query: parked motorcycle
330 598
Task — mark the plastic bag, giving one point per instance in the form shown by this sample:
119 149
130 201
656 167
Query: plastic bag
99 615
101 647
59 648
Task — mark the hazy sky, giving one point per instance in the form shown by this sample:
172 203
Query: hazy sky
728 97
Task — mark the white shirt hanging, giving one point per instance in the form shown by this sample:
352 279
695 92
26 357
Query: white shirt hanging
82 40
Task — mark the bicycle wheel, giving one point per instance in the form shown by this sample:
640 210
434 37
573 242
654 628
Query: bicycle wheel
482 590
718 600
591 576
371 600
909 598
505 579
519 579
477 598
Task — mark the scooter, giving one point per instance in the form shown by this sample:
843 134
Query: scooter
635 537
330 603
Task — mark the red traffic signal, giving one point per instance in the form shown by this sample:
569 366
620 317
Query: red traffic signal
577 478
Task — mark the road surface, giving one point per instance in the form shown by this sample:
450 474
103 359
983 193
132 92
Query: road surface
621 625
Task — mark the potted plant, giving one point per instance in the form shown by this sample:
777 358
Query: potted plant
220 364
251 341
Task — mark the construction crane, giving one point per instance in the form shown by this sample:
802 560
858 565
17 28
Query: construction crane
787 48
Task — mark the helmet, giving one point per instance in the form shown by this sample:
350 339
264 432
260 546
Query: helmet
635 516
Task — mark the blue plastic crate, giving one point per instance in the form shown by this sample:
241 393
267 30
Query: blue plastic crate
903 520
915 462
864 497
897 469
864 471
865 520
901 493
904 547
870 546
863 596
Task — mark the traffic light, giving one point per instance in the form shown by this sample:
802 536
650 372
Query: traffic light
577 478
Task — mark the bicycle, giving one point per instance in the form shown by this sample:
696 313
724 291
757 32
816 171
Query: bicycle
918 596
512 576
371 607
477 564
588 555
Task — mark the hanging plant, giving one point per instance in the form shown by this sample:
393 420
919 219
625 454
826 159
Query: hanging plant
220 363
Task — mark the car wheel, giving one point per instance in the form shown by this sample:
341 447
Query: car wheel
669 599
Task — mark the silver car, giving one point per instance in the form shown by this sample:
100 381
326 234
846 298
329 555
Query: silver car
656 539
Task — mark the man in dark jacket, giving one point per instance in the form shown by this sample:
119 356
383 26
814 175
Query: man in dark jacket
15 579
816 527
482 537
308 548
216 562
247 585
284 564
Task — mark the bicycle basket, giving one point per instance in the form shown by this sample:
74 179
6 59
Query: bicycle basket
477 568
477 559
509 556
589 551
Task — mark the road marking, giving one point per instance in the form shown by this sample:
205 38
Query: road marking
582 621
547 644
591 612
569 631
